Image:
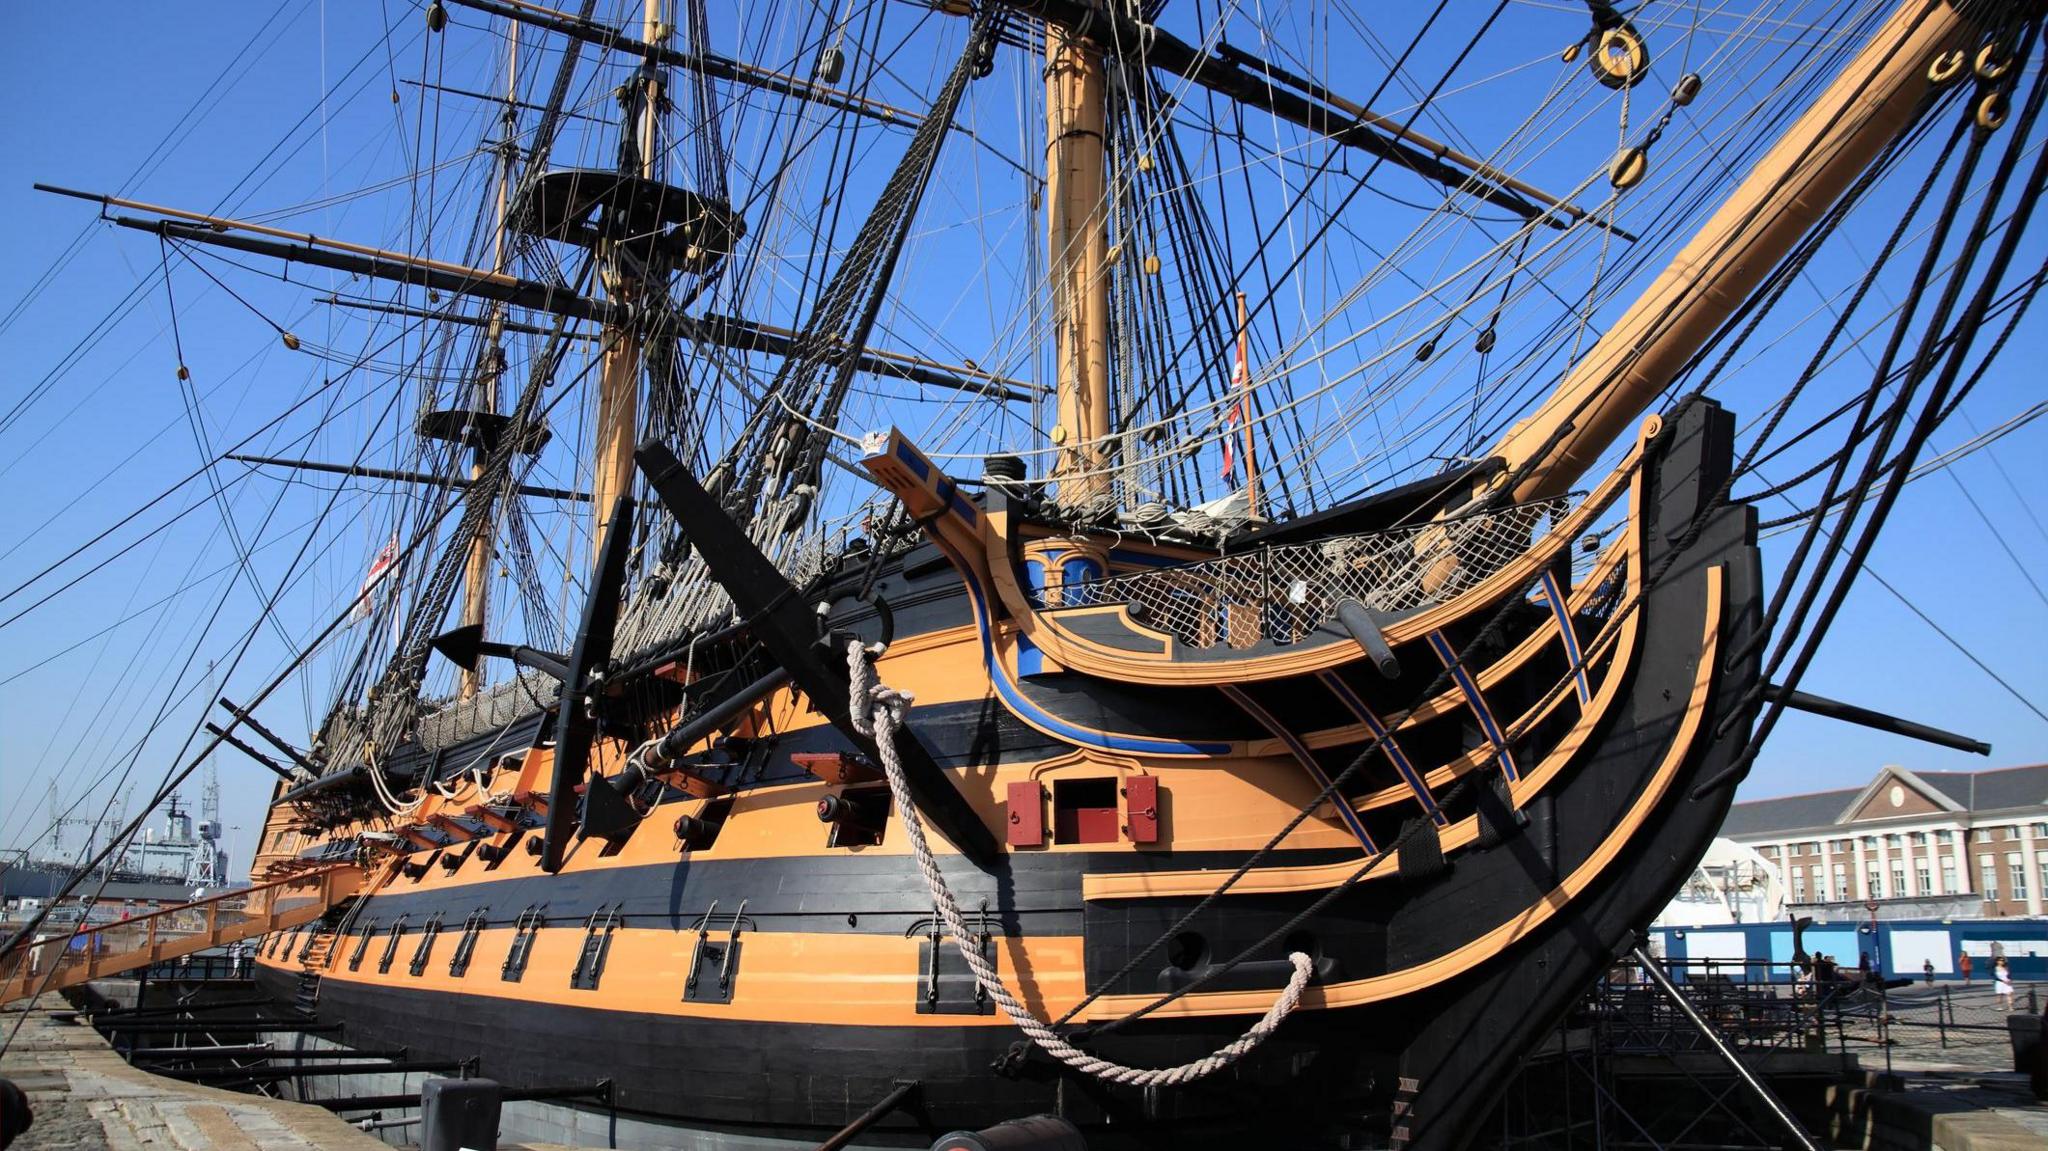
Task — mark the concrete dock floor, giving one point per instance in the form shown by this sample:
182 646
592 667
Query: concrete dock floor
86 1098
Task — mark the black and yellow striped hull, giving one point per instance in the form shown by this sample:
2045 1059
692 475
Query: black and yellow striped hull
1557 770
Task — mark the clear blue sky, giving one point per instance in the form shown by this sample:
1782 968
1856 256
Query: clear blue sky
92 106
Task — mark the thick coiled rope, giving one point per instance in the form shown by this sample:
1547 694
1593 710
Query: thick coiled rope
878 711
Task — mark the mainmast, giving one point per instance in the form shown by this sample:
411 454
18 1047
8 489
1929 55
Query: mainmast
1874 99
1078 240
618 389
476 573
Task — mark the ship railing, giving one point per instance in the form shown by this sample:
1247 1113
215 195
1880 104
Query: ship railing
1754 1005
1284 592
98 951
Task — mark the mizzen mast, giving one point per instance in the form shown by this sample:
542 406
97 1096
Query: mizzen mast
476 570
1874 100
1077 239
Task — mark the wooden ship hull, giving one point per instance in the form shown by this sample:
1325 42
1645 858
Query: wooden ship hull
1427 760
754 968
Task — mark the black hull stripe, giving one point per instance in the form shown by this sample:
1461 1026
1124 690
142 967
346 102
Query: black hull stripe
1033 894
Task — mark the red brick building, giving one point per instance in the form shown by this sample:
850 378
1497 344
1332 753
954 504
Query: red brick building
1937 843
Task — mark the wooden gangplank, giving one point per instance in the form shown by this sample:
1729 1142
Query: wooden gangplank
110 949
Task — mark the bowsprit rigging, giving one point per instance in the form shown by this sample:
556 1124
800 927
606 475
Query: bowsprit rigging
1146 564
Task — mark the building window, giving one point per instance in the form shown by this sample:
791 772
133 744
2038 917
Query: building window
1875 890
2041 830
1892 840
1870 841
1820 885
1919 838
2043 858
1944 837
1841 882
1988 872
1813 847
1920 886
1899 879
1799 885
2011 833
2016 866
1948 877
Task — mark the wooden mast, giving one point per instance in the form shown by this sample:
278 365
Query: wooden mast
618 389
1242 384
1077 241
476 571
1799 179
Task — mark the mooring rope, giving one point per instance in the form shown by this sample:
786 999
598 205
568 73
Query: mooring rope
885 715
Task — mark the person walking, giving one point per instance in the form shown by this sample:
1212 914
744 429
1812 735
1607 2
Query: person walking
1963 965
1927 969
2001 984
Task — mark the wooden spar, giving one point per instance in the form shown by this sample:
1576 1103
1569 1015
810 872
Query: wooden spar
725 331
476 569
474 276
1799 179
1243 384
709 64
1408 135
1147 45
1077 241
618 387
459 279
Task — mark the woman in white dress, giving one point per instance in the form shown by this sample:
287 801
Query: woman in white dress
2001 984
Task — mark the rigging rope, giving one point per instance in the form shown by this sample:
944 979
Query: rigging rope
885 717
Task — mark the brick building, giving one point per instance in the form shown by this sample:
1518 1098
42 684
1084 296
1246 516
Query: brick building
1920 844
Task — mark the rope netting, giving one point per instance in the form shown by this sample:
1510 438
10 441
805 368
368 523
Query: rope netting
1285 592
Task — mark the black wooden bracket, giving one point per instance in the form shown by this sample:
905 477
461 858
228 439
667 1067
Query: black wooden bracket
574 725
787 627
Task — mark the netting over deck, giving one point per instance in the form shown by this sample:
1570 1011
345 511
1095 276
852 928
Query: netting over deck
1285 592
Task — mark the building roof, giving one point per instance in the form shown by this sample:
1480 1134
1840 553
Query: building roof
1784 813
1992 790
1995 790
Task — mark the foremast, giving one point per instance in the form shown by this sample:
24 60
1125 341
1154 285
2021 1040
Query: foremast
1077 239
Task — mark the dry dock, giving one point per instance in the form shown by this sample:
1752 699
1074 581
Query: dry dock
85 1097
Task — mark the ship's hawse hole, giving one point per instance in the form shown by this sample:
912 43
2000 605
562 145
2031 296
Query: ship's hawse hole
1186 949
1084 811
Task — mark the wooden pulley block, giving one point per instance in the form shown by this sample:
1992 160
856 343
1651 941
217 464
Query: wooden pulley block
1946 66
1992 110
1629 168
1620 57
1993 62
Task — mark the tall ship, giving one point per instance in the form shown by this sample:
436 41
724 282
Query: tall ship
1193 570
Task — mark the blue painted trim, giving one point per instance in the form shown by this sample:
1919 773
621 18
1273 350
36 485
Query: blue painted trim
1388 745
1307 760
1441 644
1032 713
1563 612
913 459
1030 660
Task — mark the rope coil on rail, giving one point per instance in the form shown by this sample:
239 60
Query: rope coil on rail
886 707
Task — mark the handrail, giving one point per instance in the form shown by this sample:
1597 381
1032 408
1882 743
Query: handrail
133 920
